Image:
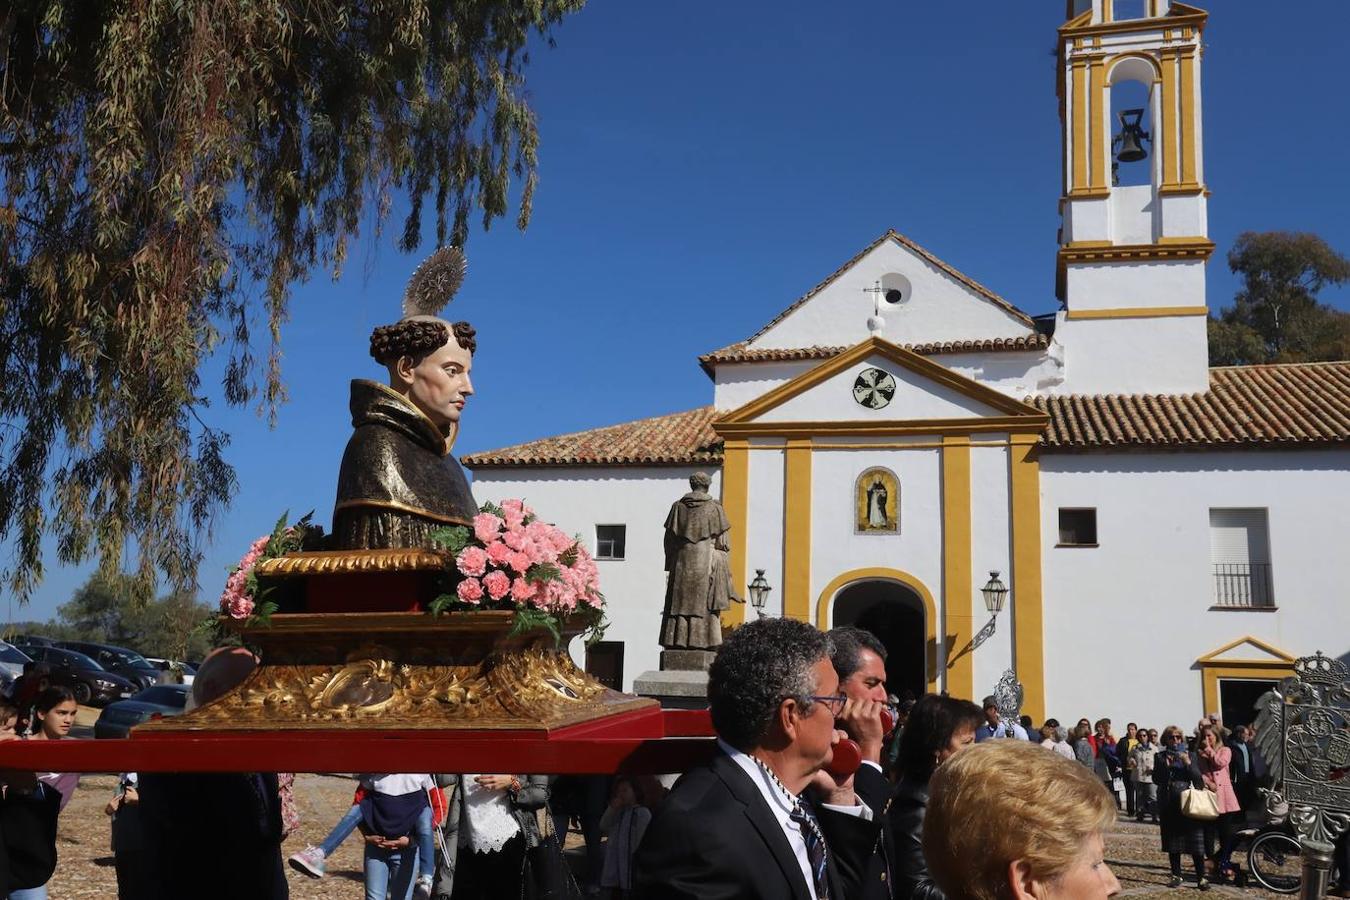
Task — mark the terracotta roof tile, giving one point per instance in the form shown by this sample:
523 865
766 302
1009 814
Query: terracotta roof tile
1290 403
740 352
1245 407
684 438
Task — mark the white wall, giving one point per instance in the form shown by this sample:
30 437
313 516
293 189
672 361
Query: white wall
1131 284
916 397
1125 621
578 499
939 309
764 512
1167 355
991 550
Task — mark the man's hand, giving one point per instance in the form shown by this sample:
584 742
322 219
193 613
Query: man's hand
862 720
495 782
836 790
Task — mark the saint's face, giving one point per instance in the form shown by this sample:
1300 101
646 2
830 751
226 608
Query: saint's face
440 384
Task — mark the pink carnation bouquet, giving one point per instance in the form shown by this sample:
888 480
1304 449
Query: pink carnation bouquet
244 597
511 559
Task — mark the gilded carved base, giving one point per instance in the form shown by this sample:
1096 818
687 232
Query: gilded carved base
402 671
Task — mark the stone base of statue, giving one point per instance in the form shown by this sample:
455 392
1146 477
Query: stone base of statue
674 688
391 667
686 660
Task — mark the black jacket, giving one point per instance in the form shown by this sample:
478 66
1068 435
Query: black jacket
28 839
905 818
715 838
863 849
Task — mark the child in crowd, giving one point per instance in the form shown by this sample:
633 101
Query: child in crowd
312 861
624 823
9 721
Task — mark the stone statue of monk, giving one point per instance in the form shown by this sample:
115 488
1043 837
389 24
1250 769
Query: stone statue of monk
398 481
699 585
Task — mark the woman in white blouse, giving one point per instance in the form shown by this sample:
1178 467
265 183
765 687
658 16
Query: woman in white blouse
491 824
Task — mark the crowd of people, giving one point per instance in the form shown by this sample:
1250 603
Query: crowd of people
950 802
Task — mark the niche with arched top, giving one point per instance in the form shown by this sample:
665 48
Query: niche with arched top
876 502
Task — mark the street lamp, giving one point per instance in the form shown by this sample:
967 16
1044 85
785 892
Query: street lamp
995 593
759 592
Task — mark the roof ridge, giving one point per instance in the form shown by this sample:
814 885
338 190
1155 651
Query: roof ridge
1284 365
892 234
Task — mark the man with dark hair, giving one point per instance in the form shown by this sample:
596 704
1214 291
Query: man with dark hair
859 659
740 827
994 727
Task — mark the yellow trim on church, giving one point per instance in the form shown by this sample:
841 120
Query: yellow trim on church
1137 312
1279 664
735 500
958 627
1027 610
797 529
881 573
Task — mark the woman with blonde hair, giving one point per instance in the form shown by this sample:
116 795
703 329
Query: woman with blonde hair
1008 821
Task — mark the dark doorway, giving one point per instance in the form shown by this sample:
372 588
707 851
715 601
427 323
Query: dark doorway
1237 700
604 661
894 613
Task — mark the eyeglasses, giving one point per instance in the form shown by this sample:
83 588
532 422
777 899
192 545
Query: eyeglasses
835 702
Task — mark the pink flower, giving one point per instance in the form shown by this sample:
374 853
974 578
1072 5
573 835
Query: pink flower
498 584
519 561
240 606
258 546
470 590
560 540
472 561
513 512
498 553
522 591
515 539
485 527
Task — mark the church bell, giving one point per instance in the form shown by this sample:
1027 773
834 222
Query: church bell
1129 142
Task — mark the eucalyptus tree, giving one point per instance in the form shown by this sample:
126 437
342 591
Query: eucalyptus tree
170 170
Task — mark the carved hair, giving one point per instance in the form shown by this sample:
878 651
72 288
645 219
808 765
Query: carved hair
700 481
416 338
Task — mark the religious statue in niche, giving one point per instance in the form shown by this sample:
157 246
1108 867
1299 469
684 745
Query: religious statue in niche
877 504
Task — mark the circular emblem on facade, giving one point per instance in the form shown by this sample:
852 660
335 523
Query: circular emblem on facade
873 388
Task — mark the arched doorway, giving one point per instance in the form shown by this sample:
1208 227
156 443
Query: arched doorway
894 612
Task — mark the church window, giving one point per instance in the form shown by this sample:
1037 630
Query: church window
1077 527
1239 549
609 541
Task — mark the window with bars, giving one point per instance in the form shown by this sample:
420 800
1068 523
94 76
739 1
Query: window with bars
1239 549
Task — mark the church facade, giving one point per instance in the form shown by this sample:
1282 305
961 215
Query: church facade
900 436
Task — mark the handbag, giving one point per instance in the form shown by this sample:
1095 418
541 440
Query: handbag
1117 784
1200 804
547 875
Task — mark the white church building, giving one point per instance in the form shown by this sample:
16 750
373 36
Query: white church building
1170 534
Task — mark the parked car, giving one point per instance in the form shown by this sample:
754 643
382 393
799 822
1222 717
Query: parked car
91 684
186 671
117 719
32 640
127 663
12 660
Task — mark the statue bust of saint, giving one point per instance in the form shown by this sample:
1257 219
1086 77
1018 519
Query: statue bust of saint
398 481
699 585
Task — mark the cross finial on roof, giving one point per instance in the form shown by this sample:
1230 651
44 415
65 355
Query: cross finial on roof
875 323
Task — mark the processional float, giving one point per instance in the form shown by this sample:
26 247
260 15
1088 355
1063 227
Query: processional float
422 634
1303 730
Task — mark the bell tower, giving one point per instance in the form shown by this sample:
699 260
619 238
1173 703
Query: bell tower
1134 238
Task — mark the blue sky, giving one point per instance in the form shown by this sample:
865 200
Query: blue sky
703 164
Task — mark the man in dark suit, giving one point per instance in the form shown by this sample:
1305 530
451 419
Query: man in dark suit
740 827
859 659
1241 768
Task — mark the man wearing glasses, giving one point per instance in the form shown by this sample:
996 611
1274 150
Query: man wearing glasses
745 825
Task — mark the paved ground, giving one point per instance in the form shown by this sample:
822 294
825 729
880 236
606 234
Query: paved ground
85 870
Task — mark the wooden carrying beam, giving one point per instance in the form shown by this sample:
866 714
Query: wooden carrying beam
651 741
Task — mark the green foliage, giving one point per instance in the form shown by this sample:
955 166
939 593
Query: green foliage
453 538
542 572
529 618
106 610
168 171
1275 317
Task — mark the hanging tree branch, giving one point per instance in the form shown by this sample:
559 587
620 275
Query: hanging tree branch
157 161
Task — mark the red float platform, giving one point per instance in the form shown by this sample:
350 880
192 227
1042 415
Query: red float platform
649 741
